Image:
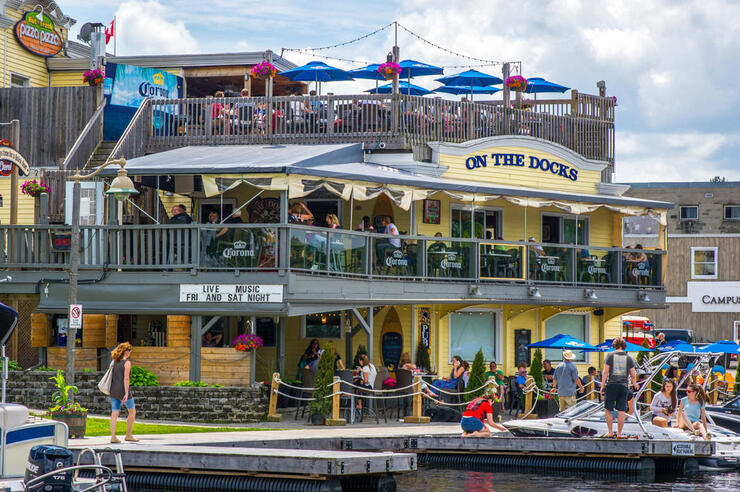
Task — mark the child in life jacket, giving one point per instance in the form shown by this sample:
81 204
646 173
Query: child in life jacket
478 412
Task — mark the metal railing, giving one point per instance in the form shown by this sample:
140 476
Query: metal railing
336 252
584 124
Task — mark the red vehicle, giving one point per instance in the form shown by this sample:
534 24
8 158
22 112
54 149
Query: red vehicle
637 329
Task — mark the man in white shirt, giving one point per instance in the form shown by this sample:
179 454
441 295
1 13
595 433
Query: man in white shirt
382 245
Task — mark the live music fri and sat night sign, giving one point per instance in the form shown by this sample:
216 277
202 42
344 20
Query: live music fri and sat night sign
231 293
521 160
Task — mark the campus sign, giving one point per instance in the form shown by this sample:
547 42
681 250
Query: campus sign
493 160
231 293
37 33
709 297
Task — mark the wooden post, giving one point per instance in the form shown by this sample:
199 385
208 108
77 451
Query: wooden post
15 131
713 388
335 419
506 71
272 415
529 400
589 388
416 418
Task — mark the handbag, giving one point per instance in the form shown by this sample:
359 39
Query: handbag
104 384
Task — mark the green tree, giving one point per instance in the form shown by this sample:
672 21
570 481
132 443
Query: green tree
360 351
718 179
535 370
321 405
643 356
737 378
477 376
422 356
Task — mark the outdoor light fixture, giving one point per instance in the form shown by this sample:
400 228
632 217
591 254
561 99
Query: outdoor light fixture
474 290
534 291
590 294
643 297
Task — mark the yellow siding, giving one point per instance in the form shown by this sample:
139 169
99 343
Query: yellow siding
519 176
66 79
20 60
25 202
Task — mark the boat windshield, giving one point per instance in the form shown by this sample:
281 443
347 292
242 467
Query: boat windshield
581 407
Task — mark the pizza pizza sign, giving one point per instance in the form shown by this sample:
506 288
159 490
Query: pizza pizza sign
37 33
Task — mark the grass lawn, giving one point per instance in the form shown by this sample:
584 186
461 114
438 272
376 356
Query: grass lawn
101 427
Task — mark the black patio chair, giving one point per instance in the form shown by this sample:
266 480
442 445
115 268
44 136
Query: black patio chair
515 396
307 380
404 378
379 404
346 401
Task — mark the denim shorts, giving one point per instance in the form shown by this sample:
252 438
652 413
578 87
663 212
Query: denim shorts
115 404
471 424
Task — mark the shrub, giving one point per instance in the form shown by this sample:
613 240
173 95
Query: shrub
14 366
140 376
197 384
422 356
321 405
44 368
63 402
535 370
356 361
477 376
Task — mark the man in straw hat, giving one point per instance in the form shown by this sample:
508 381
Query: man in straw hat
566 381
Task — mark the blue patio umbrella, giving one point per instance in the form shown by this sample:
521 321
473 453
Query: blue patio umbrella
631 347
466 89
368 72
563 342
676 346
316 72
413 68
470 78
721 347
403 87
536 85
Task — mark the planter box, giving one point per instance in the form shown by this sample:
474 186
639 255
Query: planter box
76 422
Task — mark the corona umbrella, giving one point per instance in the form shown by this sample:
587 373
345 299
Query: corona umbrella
563 342
316 72
464 89
403 87
721 347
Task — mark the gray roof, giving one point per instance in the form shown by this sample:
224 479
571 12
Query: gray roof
686 184
341 161
176 61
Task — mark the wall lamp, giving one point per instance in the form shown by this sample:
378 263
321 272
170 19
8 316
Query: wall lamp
643 297
590 294
534 291
474 290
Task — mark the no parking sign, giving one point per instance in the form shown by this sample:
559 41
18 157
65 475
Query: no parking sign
75 316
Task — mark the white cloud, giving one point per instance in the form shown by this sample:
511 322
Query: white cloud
148 27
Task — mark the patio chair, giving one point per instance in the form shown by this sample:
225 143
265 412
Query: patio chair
380 404
347 400
404 378
307 380
514 396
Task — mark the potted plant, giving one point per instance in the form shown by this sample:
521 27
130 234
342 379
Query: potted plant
320 406
246 342
93 77
263 70
389 70
516 83
34 188
422 357
71 413
477 376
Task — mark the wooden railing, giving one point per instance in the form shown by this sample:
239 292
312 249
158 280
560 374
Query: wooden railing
335 252
583 123
134 140
86 142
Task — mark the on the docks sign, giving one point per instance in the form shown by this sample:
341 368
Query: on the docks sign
37 33
522 160
231 293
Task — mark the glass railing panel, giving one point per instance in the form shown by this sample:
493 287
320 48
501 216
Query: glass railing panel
347 253
308 249
596 266
237 247
396 257
450 259
550 263
501 261
642 268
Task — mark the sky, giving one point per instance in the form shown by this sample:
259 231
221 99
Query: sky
673 65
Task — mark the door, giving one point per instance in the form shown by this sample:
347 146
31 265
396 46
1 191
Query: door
321 208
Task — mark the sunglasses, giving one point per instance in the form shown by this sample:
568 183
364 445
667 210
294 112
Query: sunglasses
690 391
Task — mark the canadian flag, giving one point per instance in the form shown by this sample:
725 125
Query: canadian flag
110 31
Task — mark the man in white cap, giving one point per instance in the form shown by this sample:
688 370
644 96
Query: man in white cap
566 381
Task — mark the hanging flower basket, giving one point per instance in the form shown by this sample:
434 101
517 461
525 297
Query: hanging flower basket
389 70
263 70
516 83
93 77
247 342
35 188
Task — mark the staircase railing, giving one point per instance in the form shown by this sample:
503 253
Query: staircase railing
138 132
86 143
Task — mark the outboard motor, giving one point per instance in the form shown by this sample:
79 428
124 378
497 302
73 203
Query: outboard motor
45 459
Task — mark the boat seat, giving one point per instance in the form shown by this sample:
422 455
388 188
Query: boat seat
12 415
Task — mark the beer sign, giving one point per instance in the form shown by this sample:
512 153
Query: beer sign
37 33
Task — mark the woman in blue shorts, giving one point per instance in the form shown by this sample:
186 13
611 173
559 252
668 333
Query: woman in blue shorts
120 393
479 411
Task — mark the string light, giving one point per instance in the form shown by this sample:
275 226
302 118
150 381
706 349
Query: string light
344 43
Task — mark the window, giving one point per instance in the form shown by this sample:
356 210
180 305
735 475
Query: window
323 325
488 222
265 329
472 331
574 325
564 229
704 263
17 80
640 230
688 212
732 212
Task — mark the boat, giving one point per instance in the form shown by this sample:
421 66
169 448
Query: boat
726 415
30 445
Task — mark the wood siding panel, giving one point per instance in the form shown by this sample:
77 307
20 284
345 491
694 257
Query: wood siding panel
111 330
93 330
40 330
169 364
66 79
178 331
225 366
85 358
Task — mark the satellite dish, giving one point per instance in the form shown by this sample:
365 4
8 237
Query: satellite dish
85 32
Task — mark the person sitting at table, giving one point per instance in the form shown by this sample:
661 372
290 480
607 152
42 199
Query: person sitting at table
298 213
521 378
366 225
338 363
639 263
448 383
548 373
466 372
211 340
405 362
498 375
332 221
592 374
311 355
538 252
434 251
383 245
366 374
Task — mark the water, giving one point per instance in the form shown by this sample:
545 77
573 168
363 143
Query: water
433 480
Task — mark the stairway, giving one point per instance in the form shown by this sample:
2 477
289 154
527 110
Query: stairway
101 154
